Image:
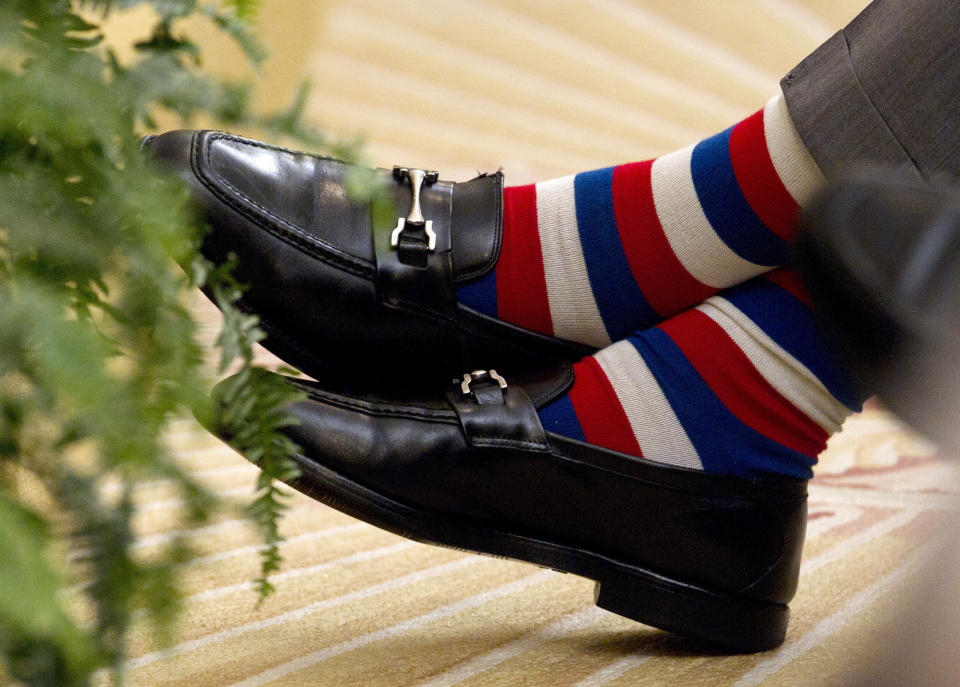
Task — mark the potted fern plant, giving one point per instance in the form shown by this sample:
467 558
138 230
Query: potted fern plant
97 346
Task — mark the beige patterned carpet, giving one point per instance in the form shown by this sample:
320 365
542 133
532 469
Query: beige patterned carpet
359 606
540 88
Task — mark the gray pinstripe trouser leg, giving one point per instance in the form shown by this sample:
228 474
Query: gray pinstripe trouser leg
886 89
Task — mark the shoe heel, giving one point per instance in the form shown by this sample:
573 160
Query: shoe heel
732 622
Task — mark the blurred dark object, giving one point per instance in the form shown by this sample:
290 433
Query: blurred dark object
922 647
881 257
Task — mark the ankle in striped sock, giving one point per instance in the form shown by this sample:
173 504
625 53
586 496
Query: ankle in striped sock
740 385
594 256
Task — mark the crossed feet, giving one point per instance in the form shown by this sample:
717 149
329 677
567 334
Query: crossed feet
639 389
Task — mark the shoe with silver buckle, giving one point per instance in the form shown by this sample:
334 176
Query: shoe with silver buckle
469 465
360 289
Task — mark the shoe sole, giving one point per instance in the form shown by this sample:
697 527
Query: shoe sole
728 621
294 354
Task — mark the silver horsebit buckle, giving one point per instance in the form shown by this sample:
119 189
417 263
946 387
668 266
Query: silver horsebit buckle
414 218
480 375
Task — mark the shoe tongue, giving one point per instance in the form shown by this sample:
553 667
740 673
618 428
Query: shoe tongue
545 386
476 226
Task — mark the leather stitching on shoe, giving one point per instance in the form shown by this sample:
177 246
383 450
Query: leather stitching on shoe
269 221
425 312
495 442
716 485
375 408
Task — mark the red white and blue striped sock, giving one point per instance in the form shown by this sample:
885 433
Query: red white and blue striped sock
740 385
594 256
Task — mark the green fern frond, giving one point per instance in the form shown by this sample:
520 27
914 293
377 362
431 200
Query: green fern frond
238 27
245 10
97 349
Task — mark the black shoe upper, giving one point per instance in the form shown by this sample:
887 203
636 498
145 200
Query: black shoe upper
482 459
324 277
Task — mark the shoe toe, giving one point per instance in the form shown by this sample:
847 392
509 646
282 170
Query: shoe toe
172 150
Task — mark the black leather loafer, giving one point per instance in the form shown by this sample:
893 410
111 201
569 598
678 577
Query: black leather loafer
339 290
712 557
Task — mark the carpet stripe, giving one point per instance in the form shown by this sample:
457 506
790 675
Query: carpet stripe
692 42
358 557
611 672
251 549
316 657
848 545
840 515
490 659
304 612
884 499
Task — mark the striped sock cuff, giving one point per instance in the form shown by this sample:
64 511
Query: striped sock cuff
713 388
594 256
